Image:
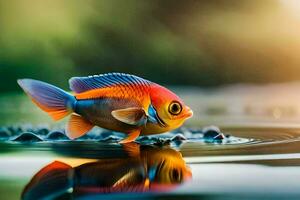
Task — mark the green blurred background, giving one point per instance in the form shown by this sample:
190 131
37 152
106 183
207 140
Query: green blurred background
189 43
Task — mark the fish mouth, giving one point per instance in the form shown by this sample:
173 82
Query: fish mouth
189 113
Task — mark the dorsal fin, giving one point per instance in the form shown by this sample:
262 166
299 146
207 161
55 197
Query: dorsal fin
82 84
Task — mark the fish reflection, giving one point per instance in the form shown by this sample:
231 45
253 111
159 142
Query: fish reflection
147 169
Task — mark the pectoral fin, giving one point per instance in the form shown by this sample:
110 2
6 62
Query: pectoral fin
131 116
77 126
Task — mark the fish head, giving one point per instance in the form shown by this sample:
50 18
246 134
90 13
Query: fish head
170 167
170 109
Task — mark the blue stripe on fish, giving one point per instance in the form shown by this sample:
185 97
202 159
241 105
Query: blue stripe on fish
82 84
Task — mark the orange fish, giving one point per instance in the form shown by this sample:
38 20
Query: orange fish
152 169
114 101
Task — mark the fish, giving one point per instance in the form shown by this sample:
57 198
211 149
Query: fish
114 101
153 169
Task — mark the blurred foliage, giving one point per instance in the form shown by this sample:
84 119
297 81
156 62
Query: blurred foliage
201 43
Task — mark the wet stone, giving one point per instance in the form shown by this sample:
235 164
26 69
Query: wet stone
27 137
178 137
213 134
57 135
211 128
210 134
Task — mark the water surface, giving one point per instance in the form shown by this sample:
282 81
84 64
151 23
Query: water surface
258 158
266 165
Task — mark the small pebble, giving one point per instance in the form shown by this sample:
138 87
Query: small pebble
210 134
178 137
27 137
211 128
213 134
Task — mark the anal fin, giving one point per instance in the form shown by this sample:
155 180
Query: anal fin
132 148
131 136
77 126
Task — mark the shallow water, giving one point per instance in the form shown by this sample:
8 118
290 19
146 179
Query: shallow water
264 163
256 157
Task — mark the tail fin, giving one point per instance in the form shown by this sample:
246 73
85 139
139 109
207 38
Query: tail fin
50 182
51 99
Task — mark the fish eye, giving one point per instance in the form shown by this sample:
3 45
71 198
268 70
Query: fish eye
175 174
175 108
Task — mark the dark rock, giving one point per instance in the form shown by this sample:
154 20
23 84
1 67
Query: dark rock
211 128
57 135
213 134
27 137
178 137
